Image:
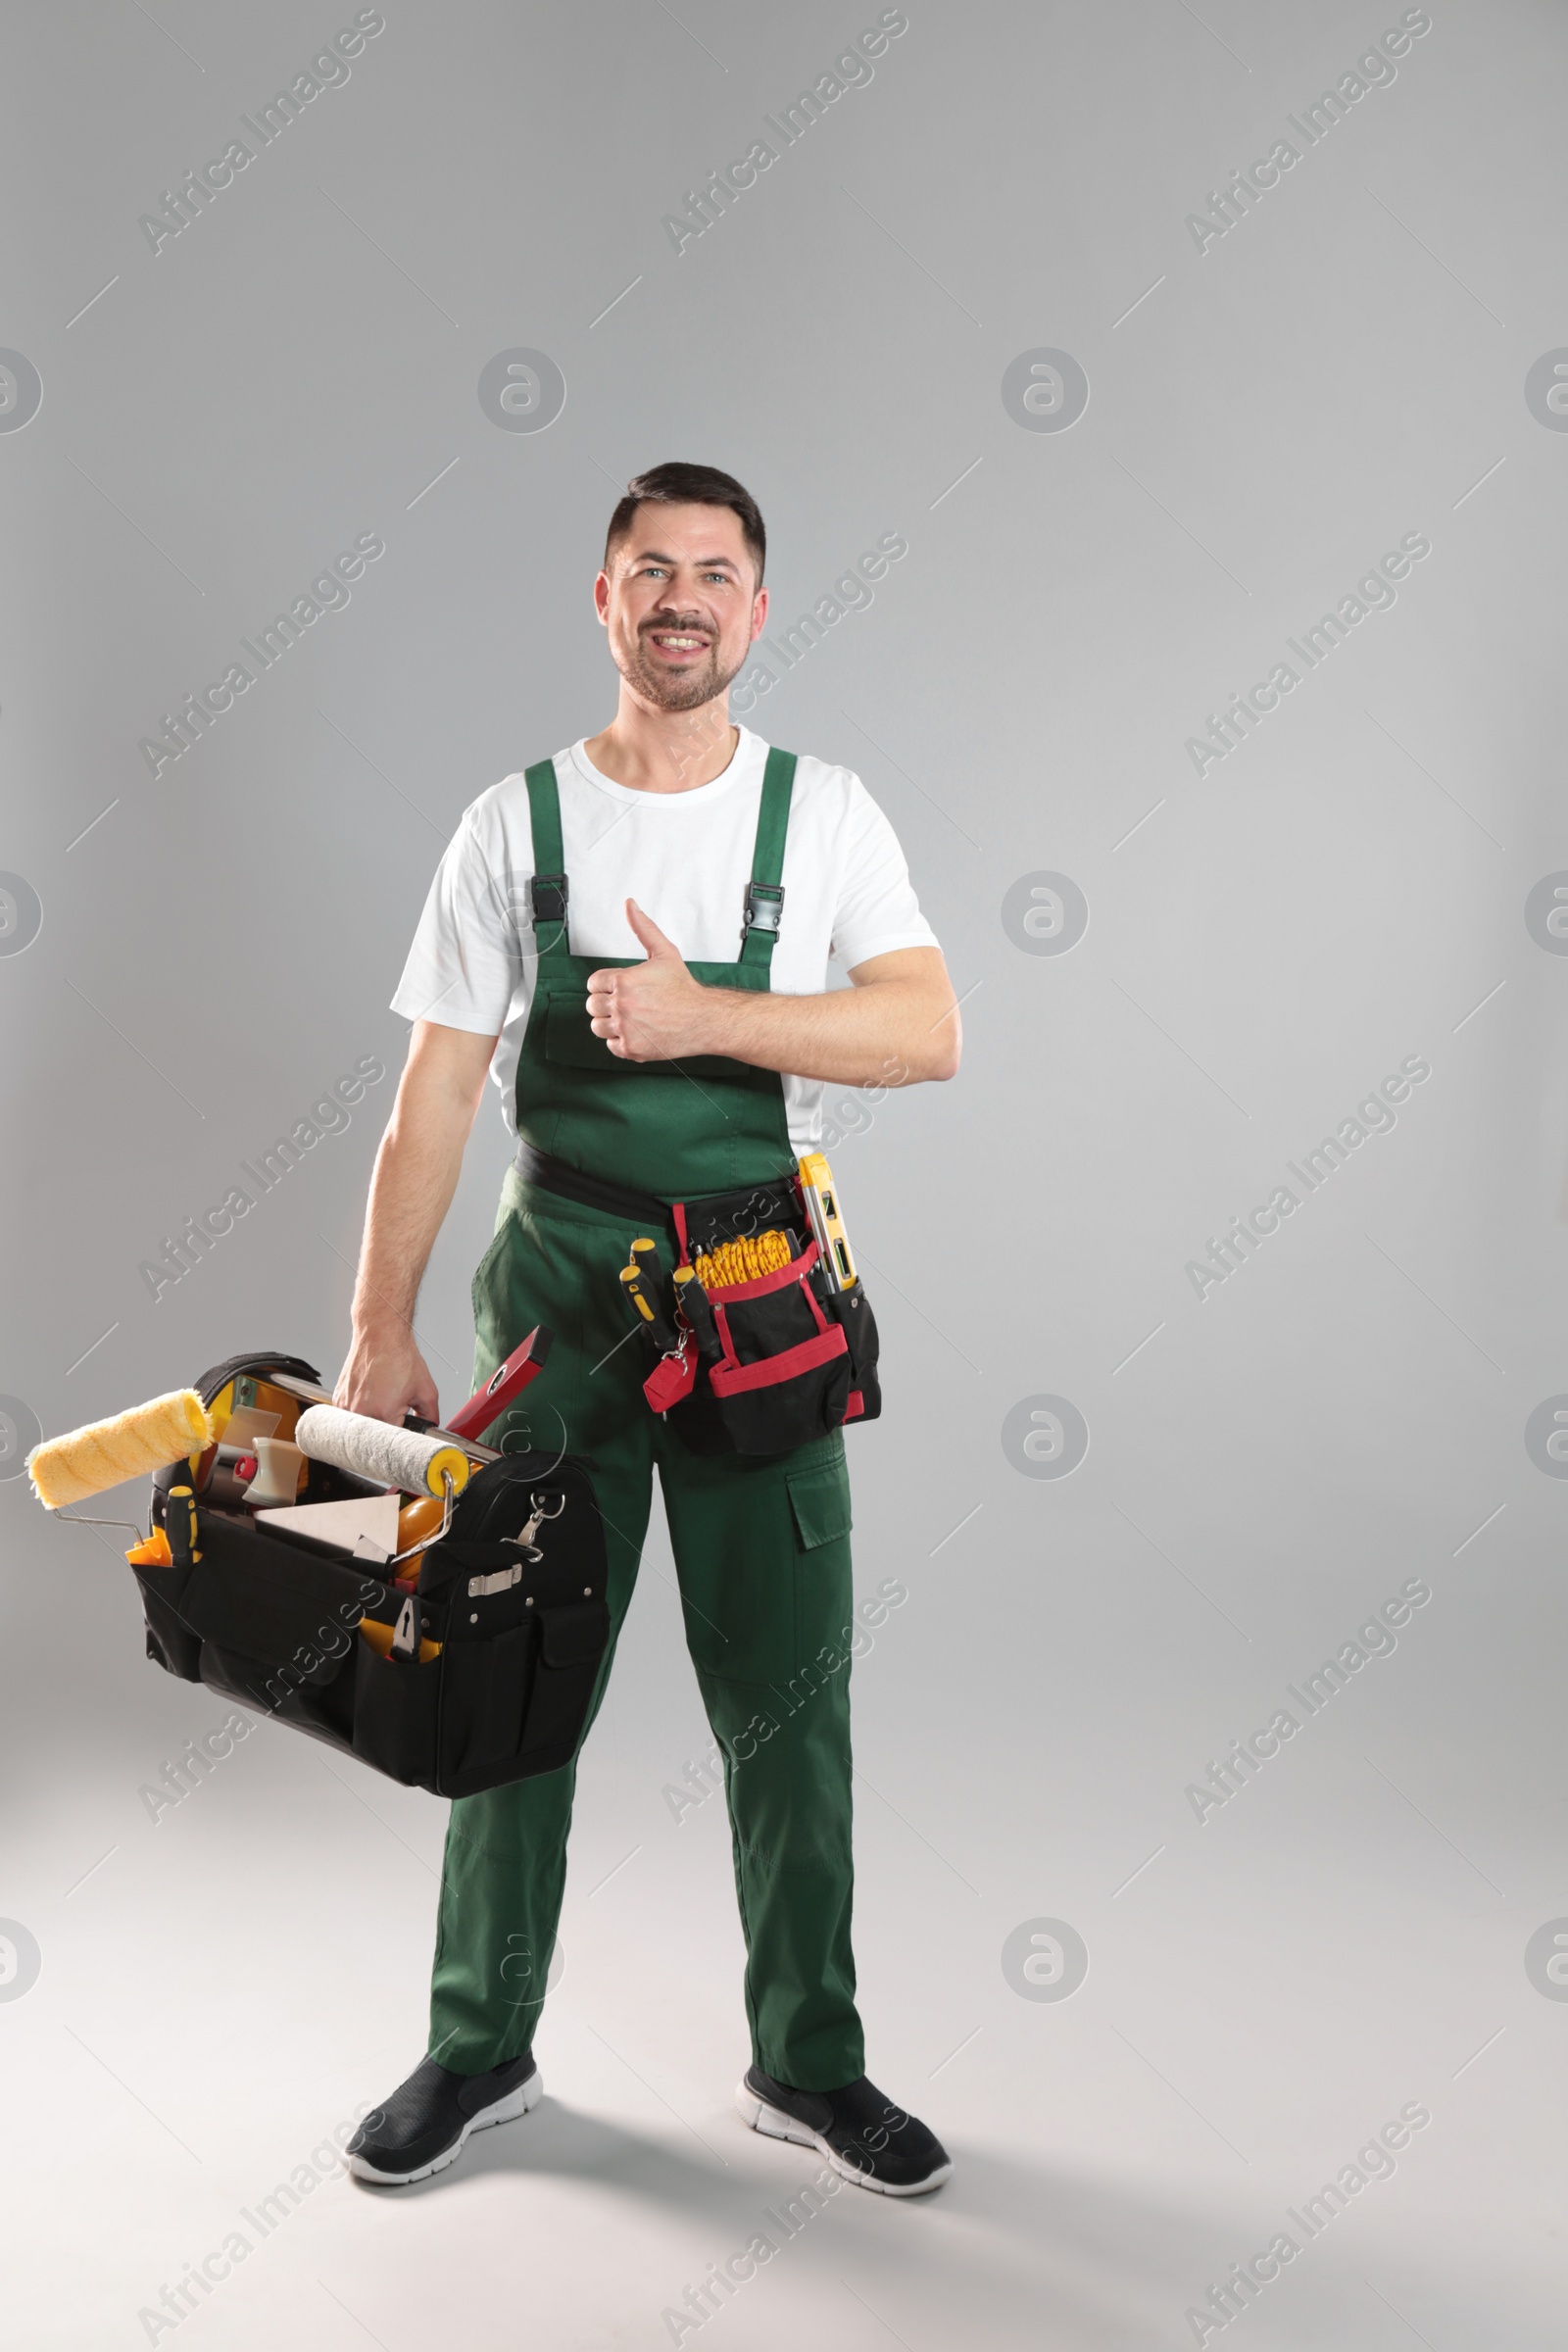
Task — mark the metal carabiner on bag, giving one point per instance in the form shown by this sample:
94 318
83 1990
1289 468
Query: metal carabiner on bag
531 1526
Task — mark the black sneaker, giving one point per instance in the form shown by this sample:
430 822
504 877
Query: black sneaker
859 2132
423 2124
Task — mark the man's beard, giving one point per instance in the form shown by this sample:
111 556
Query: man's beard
680 689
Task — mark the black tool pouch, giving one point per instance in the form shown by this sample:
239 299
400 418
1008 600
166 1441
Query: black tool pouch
782 1367
782 1375
510 1633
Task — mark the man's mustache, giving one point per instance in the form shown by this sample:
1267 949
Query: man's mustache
670 625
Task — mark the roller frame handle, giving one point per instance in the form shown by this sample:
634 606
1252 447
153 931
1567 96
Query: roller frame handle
505 1386
308 1393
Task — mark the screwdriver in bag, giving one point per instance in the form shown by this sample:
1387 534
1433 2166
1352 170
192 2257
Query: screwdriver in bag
637 1280
694 1305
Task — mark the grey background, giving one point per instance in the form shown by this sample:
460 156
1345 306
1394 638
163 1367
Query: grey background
1346 366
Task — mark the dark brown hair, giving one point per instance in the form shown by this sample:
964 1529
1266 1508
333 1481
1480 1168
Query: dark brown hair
680 485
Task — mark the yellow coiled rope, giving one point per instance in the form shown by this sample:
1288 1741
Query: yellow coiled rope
743 1261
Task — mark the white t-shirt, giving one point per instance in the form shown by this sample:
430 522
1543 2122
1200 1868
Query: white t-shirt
686 859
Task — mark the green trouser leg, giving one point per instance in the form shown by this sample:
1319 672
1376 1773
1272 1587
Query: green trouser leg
762 1558
766 1605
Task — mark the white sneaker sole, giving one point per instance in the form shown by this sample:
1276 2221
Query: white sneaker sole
774 2124
505 2110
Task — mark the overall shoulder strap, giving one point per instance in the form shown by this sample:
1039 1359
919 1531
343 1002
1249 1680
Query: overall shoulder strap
547 890
765 896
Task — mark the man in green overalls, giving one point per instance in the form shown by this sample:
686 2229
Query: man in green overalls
646 1061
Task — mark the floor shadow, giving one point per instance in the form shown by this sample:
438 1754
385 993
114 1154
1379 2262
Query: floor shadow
1011 2249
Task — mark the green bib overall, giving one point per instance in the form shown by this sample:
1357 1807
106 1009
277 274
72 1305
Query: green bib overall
760 1541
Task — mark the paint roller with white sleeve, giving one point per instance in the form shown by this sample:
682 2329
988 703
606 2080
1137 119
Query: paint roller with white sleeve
377 1451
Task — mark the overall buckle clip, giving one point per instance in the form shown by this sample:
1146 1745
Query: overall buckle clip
764 908
547 899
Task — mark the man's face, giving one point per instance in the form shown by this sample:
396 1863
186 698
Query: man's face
680 603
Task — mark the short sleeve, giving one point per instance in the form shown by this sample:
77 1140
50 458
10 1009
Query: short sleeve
877 909
465 964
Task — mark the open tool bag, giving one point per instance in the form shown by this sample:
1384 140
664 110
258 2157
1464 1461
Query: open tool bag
479 1674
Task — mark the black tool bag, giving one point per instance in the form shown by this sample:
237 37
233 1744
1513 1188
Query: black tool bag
510 1633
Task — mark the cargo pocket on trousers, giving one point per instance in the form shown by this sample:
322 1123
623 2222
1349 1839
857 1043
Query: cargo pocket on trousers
825 1592
820 1498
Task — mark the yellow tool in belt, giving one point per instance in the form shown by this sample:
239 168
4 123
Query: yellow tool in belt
640 1281
692 1299
819 1193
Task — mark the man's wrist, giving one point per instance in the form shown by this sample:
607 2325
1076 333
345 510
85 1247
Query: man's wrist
371 1327
720 1012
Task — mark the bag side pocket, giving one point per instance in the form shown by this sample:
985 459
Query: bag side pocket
395 1708
851 1310
572 1639
483 1701
171 1642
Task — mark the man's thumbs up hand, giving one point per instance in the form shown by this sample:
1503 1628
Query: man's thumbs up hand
648 1011
649 935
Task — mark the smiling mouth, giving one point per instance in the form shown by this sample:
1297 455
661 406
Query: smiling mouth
678 641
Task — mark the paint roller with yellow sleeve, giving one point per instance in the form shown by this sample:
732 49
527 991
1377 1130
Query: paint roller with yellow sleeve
131 1444
89 1461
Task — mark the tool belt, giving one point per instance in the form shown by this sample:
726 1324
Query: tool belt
501 1638
789 1356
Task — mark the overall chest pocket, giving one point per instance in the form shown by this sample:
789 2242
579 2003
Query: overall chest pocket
570 1044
